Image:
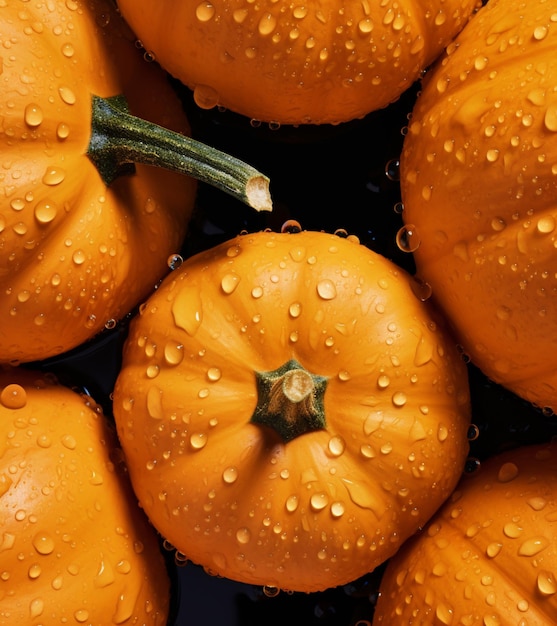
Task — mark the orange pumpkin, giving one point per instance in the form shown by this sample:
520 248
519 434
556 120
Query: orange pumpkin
74 546
479 182
296 63
79 245
488 556
290 410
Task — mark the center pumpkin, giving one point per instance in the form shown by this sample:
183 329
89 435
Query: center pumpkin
290 410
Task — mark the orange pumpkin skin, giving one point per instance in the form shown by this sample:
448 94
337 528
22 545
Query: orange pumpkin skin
488 556
75 548
479 183
75 254
324 507
295 63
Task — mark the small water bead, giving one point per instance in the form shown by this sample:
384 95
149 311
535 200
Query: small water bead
421 289
392 170
67 95
471 465
337 509
533 546
295 309
43 543
53 176
198 441
230 282
507 472
110 324
13 396
291 226
214 374
473 432
45 211
205 97
326 289
407 238
547 583
174 261
319 501
336 446
292 503
230 475
33 115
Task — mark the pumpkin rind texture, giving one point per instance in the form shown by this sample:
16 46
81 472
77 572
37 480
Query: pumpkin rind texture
479 188
75 254
296 63
75 548
226 488
488 556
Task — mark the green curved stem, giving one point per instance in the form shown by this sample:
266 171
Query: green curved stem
119 139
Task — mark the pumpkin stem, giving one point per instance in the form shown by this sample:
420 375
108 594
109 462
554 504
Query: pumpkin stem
290 400
119 139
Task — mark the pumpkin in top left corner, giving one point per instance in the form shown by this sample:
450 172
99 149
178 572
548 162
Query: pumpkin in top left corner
75 253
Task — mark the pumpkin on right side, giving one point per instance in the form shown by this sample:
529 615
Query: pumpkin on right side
478 175
488 557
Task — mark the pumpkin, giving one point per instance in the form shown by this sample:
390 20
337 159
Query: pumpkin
488 556
80 244
478 185
75 548
290 410
296 63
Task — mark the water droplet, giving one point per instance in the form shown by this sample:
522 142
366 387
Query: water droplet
198 441
550 118
473 432
243 535
34 571
174 261
45 211
205 11
493 549
62 131
53 176
399 399
13 396
407 238
326 289
214 374
512 530
36 607
205 97
67 95
392 170
336 446
533 546
421 289
507 472
230 475
319 501
547 583
187 310
43 543
295 309
81 616
33 115
337 509
69 442
291 226
230 282
471 465
292 503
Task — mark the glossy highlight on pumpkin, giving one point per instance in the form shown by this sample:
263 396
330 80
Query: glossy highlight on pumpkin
75 548
488 556
296 63
290 411
479 182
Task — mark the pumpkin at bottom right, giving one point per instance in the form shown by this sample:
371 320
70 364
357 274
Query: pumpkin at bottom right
489 555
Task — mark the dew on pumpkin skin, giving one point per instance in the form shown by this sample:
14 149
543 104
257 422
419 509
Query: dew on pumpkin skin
205 97
33 115
53 176
13 396
326 289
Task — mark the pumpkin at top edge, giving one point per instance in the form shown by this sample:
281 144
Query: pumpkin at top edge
74 253
479 188
488 556
295 63
75 548
290 410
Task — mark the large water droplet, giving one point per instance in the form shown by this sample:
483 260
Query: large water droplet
13 396
33 115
